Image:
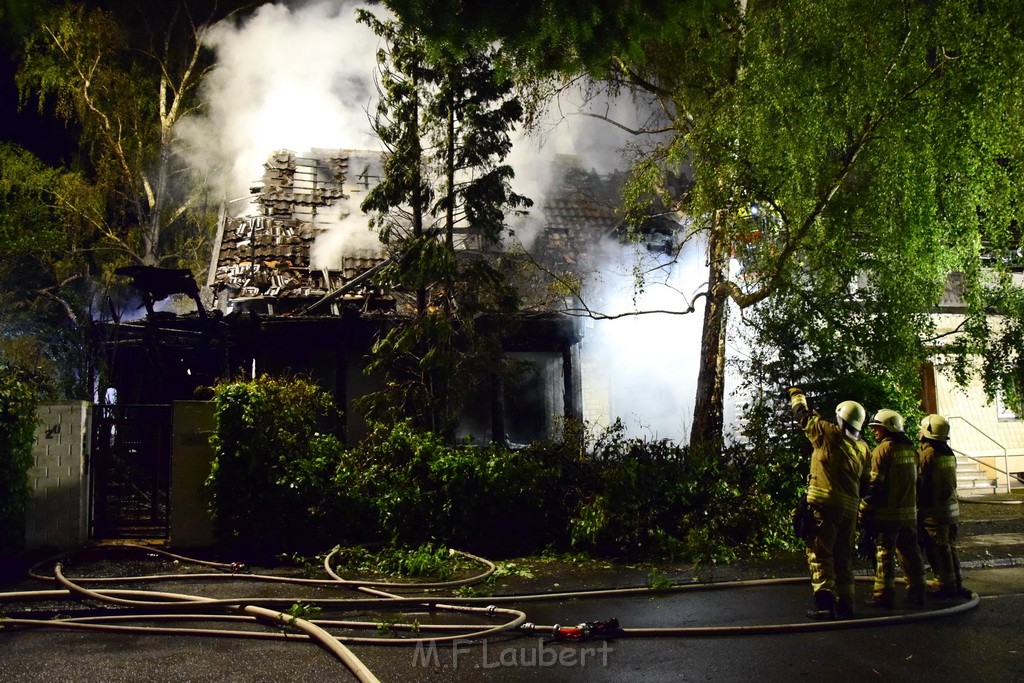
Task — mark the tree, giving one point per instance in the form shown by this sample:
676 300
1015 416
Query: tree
444 119
125 87
51 251
828 141
18 400
126 197
552 35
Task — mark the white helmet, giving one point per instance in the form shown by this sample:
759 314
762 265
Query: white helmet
889 419
852 414
934 427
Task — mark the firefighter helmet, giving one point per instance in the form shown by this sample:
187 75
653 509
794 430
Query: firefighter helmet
889 419
935 427
852 414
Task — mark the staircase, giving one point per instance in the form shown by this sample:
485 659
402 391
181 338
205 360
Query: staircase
972 479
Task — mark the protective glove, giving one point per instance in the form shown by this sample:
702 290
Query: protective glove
793 391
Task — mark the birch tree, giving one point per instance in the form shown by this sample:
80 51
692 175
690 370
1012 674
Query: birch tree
124 85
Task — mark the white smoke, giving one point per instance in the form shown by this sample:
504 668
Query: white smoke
301 77
640 366
348 236
284 79
649 358
593 128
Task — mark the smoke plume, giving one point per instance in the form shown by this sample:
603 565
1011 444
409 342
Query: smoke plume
301 76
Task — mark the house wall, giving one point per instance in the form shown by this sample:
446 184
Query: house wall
597 393
57 514
976 427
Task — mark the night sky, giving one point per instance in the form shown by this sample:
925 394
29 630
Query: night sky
47 137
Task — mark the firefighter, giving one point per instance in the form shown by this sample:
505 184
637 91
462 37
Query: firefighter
889 511
938 508
839 466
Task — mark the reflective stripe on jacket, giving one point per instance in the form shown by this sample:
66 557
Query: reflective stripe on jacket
894 481
937 501
839 463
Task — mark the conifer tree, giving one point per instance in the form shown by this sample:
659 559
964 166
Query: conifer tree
444 118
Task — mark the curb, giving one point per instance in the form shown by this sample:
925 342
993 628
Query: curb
994 563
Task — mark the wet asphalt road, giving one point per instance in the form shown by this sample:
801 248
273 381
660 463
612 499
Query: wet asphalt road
984 644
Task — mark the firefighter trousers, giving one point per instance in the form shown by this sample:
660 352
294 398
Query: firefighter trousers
937 540
830 551
897 540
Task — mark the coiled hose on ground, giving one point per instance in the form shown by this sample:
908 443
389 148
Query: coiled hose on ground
121 606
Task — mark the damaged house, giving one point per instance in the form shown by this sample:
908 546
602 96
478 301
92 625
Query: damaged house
291 291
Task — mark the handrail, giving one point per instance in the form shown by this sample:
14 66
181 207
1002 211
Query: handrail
1006 456
985 464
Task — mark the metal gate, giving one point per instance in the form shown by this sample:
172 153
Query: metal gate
129 470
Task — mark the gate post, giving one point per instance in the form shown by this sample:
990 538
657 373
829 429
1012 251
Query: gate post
57 515
191 457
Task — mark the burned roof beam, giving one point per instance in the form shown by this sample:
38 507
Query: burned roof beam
347 287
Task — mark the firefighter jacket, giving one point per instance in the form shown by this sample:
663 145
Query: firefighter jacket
936 485
839 462
892 494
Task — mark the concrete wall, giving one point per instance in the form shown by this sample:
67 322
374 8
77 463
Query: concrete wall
191 456
57 514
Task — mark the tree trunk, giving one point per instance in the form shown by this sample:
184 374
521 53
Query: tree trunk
708 418
417 190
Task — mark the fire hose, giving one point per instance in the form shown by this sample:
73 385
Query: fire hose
126 605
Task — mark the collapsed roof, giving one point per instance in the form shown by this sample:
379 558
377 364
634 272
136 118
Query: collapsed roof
305 247
266 262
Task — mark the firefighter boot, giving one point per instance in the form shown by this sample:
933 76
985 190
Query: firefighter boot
944 591
844 607
884 599
824 606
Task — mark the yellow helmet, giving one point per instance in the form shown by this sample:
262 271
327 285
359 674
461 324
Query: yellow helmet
889 419
934 427
851 413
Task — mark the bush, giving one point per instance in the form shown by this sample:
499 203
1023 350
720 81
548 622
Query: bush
272 468
282 486
485 499
18 401
655 498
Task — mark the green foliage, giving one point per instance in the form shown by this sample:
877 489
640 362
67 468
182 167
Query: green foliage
835 348
271 463
120 78
554 34
49 251
301 610
281 486
654 498
18 400
658 580
445 118
878 144
426 560
489 499
991 346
